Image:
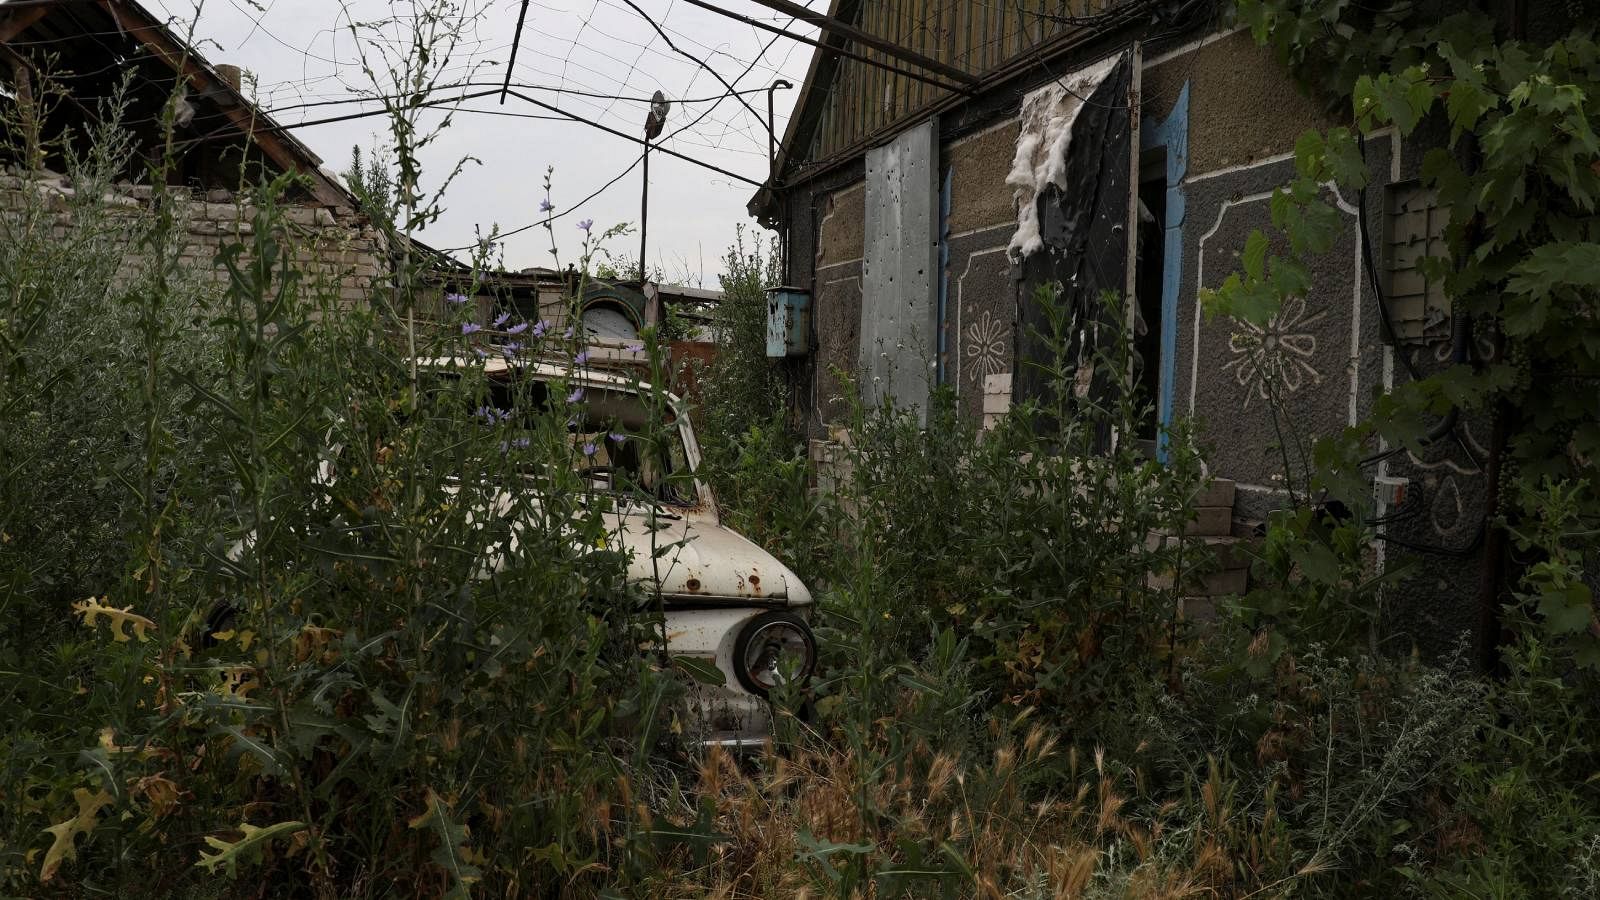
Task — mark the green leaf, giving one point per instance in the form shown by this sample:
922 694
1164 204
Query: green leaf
704 671
1255 255
1318 563
1308 154
255 746
700 836
1567 611
1343 159
1402 99
1464 105
246 849
1556 264
452 836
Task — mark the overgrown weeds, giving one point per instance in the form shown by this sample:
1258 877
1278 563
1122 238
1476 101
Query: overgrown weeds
274 625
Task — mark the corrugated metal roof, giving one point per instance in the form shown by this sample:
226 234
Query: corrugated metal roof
977 36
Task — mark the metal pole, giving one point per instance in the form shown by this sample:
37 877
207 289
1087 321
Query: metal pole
644 211
772 136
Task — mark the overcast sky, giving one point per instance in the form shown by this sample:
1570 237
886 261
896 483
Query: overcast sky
303 51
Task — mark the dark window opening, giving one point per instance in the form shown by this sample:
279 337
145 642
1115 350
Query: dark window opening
1149 279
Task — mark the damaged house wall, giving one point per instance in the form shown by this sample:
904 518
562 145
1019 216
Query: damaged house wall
1217 124
97 51
335 248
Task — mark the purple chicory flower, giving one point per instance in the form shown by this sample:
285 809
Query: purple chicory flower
457 299
514 444
519 328
618 437
585 225
470 328
634 348
589 448
540 327
502 319
544 205
480 352
510 348
575 396
568 332
581 358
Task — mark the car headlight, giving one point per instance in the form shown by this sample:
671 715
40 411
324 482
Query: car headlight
774 648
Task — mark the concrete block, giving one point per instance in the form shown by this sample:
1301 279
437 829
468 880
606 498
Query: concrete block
1219 492
1211 520
1228 551
1202 610
1212 584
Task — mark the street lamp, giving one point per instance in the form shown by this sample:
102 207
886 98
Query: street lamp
653 123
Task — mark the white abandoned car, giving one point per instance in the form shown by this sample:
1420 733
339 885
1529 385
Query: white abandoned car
726 601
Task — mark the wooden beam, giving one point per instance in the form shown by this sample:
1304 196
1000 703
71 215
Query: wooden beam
188 65
852 54
843 29
19 21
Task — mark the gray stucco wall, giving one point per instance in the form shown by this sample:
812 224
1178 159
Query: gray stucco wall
980 288
1261 395
836 301
1326 352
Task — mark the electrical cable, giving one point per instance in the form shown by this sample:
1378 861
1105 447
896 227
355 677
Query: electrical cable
630 98
702 64
554 216
1460 333
628 137
516 38
631 166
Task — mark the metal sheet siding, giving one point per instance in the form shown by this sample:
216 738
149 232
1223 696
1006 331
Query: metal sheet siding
977 36
898 301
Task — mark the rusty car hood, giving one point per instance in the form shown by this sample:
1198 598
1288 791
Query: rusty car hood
701 561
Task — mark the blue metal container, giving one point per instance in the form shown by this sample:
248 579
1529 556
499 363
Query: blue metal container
788 322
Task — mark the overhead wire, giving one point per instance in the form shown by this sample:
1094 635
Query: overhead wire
633 165
338 74
702 63
516 39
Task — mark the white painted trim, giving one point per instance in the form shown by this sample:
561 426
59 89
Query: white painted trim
1008 123
972 231
1353 366
1200 285
1352 363
1192 46
1229 170
1381 552
961 290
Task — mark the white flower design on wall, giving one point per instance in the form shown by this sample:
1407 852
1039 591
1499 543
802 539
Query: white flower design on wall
1277 356
986 346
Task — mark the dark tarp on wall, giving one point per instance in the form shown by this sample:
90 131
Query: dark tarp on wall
1085 230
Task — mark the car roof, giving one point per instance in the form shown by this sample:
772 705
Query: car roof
540 369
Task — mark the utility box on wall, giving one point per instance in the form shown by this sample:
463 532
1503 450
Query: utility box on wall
788 322
1413 231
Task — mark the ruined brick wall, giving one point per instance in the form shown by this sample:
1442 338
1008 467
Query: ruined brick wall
334 248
